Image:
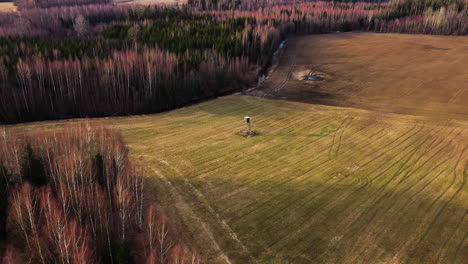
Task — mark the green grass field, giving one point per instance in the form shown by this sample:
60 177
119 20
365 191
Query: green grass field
319 184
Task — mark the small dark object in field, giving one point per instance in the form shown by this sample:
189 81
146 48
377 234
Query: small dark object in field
246 133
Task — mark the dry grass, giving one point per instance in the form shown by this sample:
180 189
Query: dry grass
318 184
7 7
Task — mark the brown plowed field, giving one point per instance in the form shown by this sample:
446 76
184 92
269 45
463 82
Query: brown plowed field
406 74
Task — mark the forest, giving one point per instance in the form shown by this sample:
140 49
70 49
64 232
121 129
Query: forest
74 196
85 58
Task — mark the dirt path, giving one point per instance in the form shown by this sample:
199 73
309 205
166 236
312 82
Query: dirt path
191 216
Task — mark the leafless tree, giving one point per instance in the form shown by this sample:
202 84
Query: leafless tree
81 26
11 256
25 217
125 208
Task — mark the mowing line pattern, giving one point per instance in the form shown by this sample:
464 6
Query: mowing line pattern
317 184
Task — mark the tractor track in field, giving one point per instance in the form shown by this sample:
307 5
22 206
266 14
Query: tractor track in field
289 73
188 210
406 156
340 138
337 131
273 156
275 148
243 161
291 179
444 247
364 183
306 224
309 215
297 164
382 187
210 209
399 170
210 158
278 85
447 202
313 167
368 180
288 77
376 211
385 196
457 94
460 245
312 195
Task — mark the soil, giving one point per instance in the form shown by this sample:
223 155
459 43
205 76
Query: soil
392 73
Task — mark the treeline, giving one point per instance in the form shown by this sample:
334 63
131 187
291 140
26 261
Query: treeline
319 17
405 8
129 82
27 4
61 21
445 17
258 4
74 196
